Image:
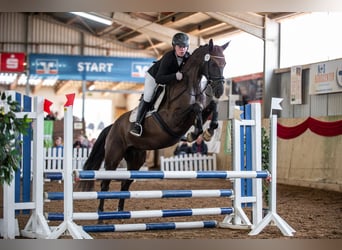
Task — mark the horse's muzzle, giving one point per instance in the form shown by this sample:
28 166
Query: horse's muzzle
218 89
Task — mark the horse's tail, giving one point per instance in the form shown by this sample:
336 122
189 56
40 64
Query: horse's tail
97 153
95 158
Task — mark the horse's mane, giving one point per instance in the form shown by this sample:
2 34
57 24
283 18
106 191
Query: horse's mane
196 57
192 67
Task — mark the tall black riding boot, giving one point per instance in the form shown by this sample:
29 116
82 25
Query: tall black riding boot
142 110
157 91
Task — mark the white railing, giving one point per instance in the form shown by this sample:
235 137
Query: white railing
53 161
53 158
188 162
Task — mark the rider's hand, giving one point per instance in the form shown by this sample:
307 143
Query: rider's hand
179 76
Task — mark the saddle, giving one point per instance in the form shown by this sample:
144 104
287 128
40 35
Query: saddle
154 105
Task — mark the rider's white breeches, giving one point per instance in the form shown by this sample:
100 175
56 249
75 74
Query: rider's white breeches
150 85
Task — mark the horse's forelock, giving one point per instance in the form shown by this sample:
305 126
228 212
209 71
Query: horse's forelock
217 50
218 56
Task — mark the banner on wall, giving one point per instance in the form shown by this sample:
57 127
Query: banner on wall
326 77
296 85
89 68
12 62
48 133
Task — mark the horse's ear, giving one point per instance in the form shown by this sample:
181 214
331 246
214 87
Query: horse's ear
211 44
224 46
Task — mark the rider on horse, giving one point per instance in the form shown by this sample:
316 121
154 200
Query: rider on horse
165 70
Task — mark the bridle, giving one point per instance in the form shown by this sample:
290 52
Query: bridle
212 79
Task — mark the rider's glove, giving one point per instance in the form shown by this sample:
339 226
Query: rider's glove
179 76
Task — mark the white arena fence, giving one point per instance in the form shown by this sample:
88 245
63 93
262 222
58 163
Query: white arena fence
188 162
53 161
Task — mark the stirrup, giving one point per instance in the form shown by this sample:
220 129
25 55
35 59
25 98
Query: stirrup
137 130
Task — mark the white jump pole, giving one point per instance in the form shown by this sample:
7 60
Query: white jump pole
68 226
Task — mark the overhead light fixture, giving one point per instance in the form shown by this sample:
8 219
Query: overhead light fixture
94 17
91 87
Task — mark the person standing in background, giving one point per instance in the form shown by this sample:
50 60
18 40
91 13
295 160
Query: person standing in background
199 146
183 147
58 142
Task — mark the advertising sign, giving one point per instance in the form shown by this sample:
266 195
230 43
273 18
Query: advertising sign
12 62
91 68
326 77
249 87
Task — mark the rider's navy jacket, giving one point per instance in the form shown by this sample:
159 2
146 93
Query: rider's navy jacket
165 69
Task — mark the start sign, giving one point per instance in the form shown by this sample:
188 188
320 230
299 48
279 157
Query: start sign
89 68
12 62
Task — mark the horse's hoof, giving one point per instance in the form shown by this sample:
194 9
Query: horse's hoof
190 137
207 135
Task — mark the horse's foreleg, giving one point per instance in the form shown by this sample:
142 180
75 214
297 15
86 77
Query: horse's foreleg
198 124
208 133
124 187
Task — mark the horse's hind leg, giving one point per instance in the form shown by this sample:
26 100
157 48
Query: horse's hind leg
135 159
124 187
104 188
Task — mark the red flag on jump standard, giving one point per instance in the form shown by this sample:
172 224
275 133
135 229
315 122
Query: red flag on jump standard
47 105
12 62
70 100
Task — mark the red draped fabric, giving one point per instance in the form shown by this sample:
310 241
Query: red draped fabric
319 127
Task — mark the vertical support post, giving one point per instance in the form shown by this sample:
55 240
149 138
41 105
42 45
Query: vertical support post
271 61
9 224
37 226
252 192
68 225
272 215
256 163
26 156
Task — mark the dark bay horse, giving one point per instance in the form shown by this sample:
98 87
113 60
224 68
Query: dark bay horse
185 103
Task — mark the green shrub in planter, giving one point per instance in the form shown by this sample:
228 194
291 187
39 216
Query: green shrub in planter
265 160
10 141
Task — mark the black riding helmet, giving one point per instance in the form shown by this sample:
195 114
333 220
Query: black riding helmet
180 39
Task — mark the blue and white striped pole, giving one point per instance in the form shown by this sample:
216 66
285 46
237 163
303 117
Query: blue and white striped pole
123 175
142 194
142 214
149 226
